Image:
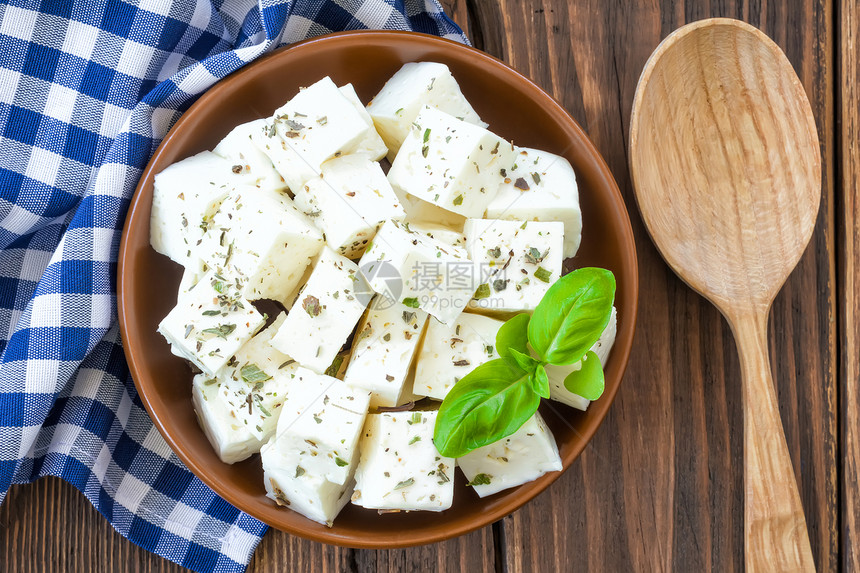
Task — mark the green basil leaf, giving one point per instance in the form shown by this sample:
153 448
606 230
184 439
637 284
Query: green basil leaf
486 405
540 382
588 380
572 314
514 333
523 360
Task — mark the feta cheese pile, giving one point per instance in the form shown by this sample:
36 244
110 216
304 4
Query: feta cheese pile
391 280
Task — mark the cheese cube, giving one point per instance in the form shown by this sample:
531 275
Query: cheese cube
260 237
230 438
317 124
415 85
372 145
184 197
447 235
557 373
247 160
450 352
419 271
238 409
450 163
348 201
522 457
540 186
325 312
319 427
385 344
312 496
400 467
521 259
210 323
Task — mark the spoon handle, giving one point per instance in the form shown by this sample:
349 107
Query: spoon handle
774 524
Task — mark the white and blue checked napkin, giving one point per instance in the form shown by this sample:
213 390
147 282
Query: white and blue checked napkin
87 91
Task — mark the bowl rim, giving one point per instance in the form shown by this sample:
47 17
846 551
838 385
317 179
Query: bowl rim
621 349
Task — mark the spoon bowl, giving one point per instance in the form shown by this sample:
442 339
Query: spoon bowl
726 167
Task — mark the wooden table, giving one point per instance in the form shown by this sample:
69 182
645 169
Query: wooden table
660 486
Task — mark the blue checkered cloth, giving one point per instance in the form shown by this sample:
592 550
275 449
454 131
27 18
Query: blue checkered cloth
87 91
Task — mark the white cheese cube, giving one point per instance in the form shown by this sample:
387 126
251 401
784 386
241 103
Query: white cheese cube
261 237
522 457
521 260
317 124
325 312
372 145
450 352
247 160
238 408
450 163
184 197
415 85
557 373
312 496
348 201
210 323
447 235
385 344
319 427
540 186
230 438
419 271
420 212
400 467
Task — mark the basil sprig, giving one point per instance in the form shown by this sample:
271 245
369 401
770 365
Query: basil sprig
495 399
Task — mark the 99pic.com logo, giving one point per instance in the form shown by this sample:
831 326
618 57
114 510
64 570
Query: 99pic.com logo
386 281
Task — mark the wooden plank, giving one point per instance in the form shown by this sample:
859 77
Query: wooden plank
660 487
458 10
50 526
848 229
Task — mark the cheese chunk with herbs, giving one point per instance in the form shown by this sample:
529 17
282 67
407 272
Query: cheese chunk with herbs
420 212
450 163
404 95
184 198
522 457
348 201
540 186
325 312
238 408
317 124
557 373
441 233
312 496
210 323
319 426
247 160
419 271
230 438
308 465
400 467
372 145
385 344
450 352
519 260
261 238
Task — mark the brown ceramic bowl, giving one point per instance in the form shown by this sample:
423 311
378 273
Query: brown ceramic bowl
516 109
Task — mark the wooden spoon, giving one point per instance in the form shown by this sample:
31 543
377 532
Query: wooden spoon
726 166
